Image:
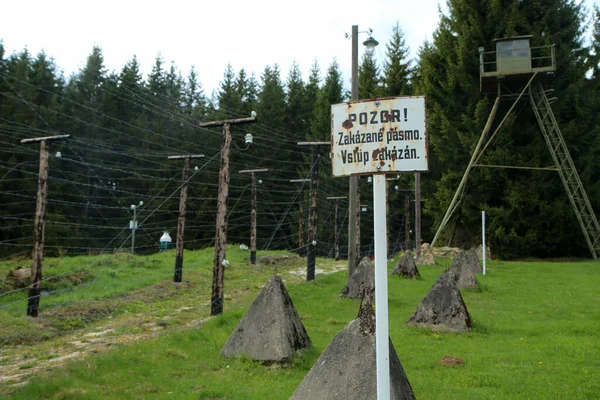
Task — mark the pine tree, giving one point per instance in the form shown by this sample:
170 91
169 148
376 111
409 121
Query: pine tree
130 87
271 107
194 98
228 96
330 93
311 93
156 79
397 67
251 94
368 77
89 81
87 99
271 135
295 109
246 93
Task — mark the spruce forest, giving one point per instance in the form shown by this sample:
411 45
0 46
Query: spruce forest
124 125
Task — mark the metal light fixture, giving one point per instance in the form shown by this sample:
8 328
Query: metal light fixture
370 44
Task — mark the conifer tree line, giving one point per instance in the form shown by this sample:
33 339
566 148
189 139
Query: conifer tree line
124 125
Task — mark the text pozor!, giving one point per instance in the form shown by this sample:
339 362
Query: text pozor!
374 117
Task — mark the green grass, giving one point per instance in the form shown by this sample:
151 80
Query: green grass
534 337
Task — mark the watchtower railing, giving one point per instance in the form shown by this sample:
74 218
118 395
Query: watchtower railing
543 59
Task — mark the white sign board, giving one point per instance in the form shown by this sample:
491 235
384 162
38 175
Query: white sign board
382 135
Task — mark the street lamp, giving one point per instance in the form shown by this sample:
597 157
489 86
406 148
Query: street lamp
353 192
370 43
133 224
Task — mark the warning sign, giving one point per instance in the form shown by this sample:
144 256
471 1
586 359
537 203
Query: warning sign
381 135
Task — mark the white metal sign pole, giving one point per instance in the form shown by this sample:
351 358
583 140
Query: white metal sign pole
381 289
483 238
379 136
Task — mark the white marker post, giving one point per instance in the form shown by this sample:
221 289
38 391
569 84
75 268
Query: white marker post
377 137
381 288
483 238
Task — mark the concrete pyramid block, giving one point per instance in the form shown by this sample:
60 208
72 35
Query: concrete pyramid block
473 261
443 307
271 330
347 370
362 278
462 271
406 267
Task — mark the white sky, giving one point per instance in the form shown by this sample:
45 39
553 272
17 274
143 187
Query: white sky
211 34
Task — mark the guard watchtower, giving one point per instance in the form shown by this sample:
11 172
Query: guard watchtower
516 69
513 63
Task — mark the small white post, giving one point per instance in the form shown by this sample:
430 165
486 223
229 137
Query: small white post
483 238
381 289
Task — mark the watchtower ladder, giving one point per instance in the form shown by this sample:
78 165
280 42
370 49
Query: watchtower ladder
566 169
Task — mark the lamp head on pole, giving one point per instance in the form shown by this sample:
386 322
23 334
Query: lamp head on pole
370 44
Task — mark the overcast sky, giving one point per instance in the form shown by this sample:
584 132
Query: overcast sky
211 34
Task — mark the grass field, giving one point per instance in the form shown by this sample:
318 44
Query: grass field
534 337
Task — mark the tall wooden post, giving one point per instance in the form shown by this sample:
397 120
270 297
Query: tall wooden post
407 245
33 300
301 224
253 212
418 214
312 213
357 226
353 185
216 304
337 225
178 275
301 249
312 217
253 222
